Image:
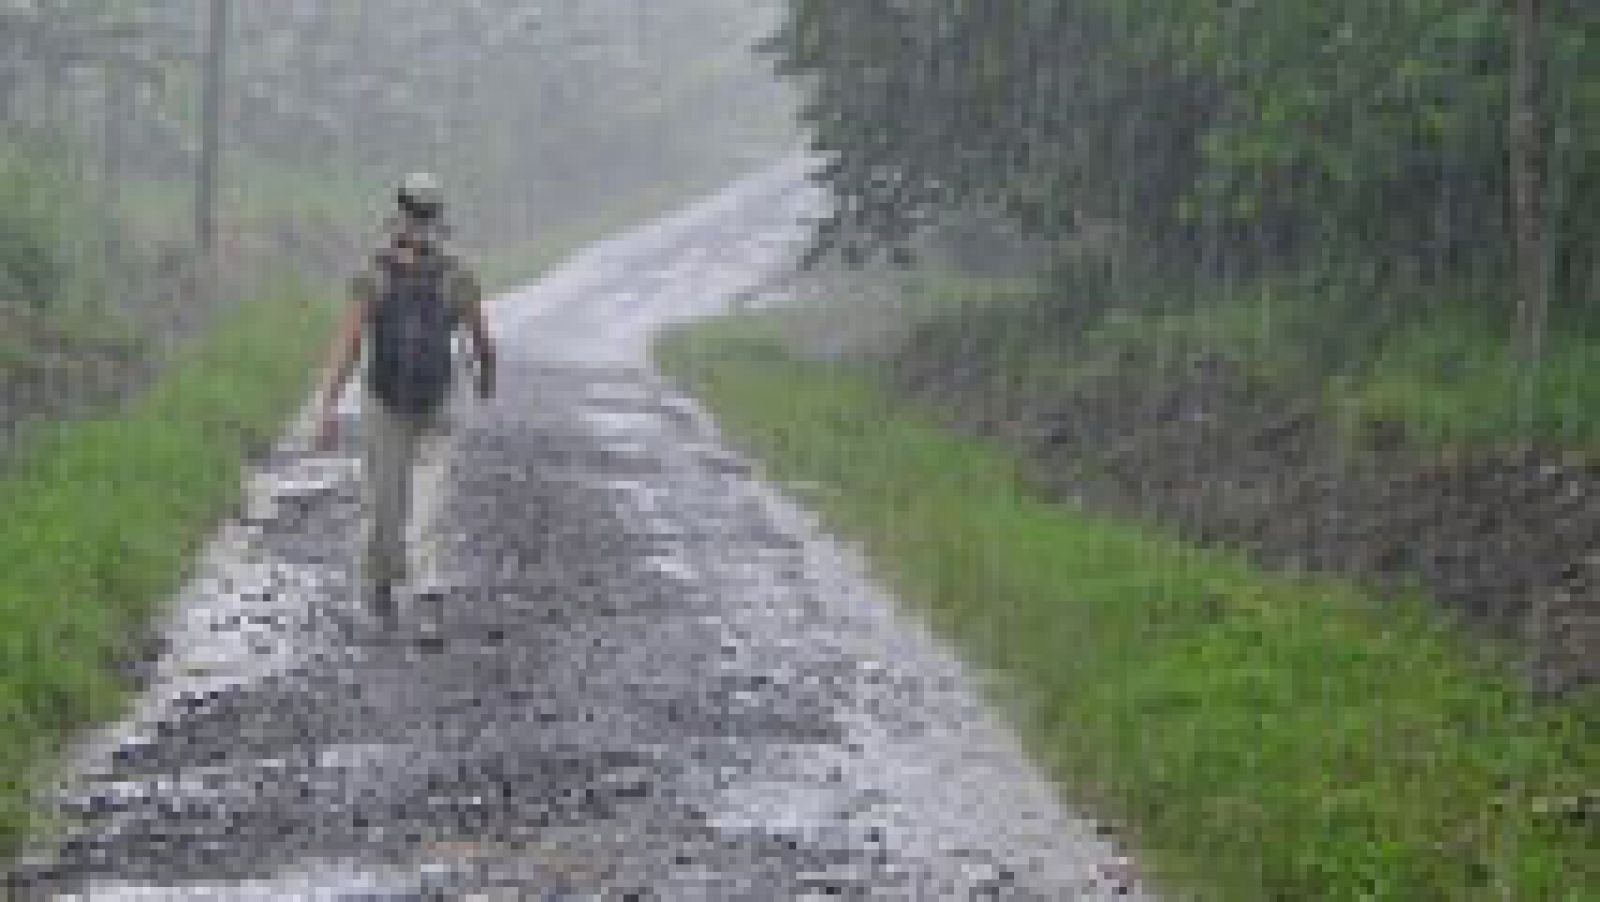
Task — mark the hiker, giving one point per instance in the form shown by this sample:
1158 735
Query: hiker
405 308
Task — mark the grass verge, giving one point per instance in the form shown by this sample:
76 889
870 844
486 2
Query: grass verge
1433 362
102 515
1261 737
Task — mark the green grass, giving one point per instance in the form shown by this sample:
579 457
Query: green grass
34 342
1454 382
102 516
1436 362
258 193
1262 738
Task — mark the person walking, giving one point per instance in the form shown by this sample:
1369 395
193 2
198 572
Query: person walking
406 306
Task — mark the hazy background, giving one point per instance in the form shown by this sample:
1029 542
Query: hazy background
546 122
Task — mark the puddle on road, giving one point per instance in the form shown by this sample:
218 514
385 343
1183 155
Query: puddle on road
334 883
622 422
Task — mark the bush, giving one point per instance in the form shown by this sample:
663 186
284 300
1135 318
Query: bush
34 204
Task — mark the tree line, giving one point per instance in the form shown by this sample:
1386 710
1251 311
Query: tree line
530 112
1421 138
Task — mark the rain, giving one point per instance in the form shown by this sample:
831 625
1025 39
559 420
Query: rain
788 449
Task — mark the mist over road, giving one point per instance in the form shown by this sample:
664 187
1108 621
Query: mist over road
656 676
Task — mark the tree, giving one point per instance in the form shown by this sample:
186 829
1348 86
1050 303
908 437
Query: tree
205 217
1528 162
1222 138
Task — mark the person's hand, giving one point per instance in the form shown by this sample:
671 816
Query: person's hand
486 379
327 437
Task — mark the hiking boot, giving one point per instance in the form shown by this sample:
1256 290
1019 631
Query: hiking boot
381 603
430 611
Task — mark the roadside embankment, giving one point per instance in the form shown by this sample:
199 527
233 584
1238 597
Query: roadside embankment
102 515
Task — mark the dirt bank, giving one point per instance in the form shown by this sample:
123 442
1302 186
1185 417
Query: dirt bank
1508 538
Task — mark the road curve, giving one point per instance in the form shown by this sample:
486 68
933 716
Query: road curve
656 678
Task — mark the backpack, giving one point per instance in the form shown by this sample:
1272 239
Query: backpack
411 325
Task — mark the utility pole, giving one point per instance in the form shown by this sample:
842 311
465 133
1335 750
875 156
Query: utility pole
116 115
1528 181
205 212
1529 174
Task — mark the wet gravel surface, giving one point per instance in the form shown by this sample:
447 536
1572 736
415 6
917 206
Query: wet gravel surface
653 677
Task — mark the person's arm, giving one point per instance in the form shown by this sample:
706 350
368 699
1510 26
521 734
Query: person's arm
343 356
482 342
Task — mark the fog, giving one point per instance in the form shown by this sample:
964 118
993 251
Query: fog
534 115
1219 375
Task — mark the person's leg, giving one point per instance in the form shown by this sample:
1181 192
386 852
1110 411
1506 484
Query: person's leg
389 452
431 475
435 453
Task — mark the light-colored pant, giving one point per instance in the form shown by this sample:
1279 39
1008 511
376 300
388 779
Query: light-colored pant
407 462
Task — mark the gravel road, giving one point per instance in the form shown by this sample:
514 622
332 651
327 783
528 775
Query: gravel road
655 677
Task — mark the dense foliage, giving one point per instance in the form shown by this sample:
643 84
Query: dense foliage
32 265
1216 136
